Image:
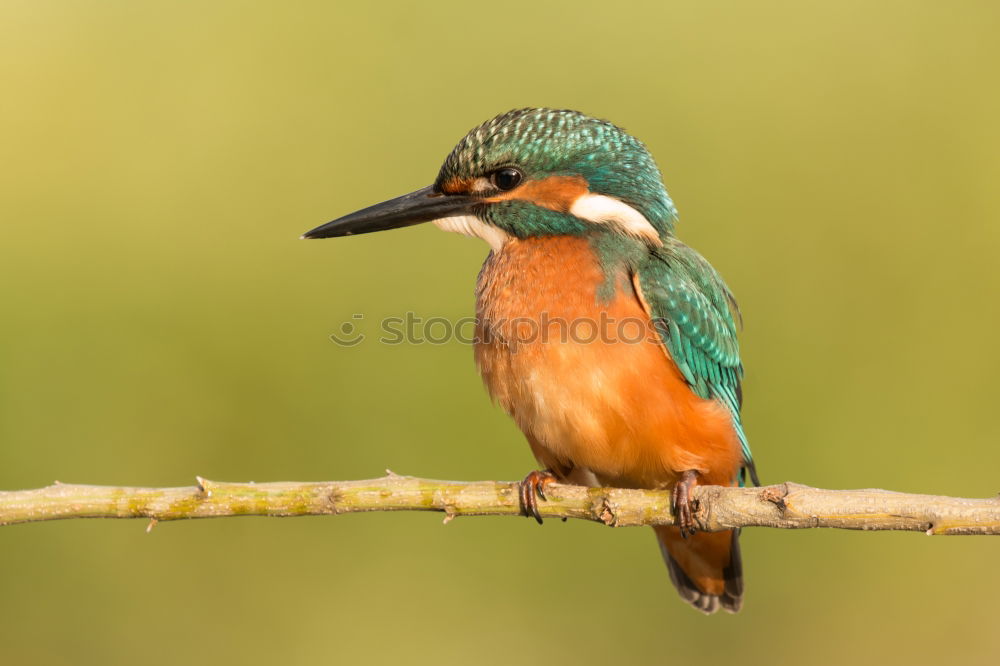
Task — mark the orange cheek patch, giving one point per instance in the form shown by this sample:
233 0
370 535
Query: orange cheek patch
555 192
457 186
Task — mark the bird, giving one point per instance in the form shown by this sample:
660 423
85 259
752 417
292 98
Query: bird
581 235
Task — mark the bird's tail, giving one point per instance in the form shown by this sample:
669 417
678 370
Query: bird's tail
705 568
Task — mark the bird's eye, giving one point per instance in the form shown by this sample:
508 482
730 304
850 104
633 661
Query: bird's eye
506 179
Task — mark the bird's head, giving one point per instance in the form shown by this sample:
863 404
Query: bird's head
529 173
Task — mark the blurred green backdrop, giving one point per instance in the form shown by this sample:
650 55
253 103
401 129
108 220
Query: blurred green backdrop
837 161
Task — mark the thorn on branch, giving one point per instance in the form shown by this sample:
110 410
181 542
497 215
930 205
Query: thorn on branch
153 522
203 486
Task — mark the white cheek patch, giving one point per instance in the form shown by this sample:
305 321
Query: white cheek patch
470 225
600 209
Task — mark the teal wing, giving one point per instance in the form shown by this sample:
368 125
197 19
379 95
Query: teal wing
696 317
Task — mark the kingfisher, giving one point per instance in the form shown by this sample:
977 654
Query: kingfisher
611 344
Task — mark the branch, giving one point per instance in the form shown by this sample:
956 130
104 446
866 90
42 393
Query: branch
786 505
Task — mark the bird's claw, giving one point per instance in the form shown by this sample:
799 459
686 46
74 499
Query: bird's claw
533 488
684 506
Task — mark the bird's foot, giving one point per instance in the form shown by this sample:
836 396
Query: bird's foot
532 488
684 506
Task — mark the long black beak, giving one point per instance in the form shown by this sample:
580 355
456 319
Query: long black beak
423 205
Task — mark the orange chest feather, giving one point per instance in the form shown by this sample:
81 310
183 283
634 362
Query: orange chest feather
586 378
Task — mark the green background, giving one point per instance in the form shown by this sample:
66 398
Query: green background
837 161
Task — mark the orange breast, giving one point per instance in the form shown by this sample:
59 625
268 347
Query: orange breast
589 382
